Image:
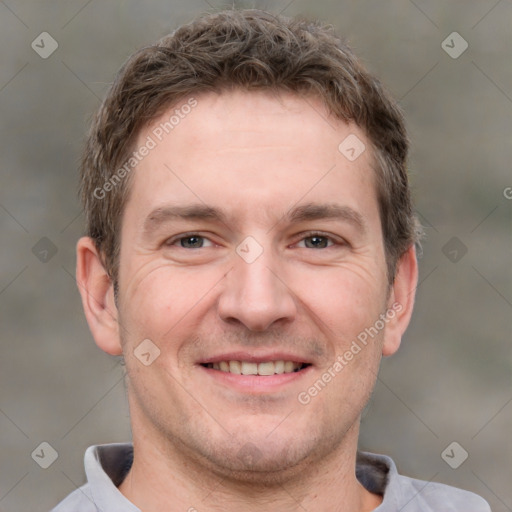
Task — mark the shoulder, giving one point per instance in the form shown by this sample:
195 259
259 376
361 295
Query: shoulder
378 474
105 468
78 501
423 495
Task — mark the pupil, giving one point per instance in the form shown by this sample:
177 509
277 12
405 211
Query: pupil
191 241
317 241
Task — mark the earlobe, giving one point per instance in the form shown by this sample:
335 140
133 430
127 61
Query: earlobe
401 301
96 290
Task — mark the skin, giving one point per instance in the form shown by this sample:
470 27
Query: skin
254 156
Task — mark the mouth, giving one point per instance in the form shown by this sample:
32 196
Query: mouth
256 373
262 369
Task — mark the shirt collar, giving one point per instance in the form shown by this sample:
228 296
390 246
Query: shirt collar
107 465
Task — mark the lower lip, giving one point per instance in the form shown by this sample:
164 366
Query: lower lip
256 384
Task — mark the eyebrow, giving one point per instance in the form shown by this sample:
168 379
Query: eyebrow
315 211
197 211
302 213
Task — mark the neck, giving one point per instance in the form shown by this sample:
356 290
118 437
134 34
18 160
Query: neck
165 476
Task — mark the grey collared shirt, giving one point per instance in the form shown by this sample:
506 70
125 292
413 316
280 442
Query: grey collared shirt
107 465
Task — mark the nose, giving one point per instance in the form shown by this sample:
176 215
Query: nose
256 295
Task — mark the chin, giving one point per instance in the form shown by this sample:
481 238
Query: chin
250 465
264 461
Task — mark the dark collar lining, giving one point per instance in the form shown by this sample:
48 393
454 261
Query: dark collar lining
116 463
372 473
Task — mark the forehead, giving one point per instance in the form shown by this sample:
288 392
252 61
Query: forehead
257 153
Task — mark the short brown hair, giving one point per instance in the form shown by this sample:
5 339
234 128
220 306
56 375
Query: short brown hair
248 49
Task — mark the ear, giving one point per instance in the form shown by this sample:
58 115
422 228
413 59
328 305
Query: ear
401 301
97 291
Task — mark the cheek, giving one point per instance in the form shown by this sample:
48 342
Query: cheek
161 299
344 300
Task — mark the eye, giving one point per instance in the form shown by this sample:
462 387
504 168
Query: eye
317 241
190 241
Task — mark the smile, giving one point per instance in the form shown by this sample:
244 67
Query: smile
265 368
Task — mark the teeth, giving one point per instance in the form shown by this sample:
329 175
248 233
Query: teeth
235 367
279 366
250 368
266 368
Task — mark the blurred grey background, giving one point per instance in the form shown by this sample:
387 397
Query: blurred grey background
451 379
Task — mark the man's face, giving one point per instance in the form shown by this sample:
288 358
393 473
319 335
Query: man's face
250 237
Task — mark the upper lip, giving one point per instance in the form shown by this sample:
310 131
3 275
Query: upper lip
256 357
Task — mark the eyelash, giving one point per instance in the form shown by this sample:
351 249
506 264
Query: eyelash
319 234
309 234
172 241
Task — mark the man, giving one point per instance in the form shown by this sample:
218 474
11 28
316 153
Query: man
251 255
